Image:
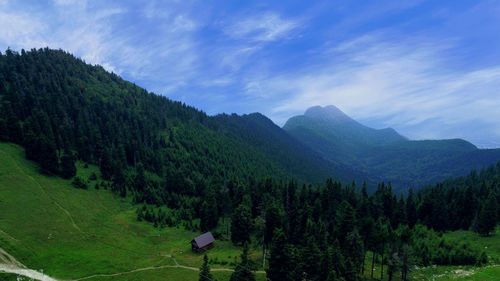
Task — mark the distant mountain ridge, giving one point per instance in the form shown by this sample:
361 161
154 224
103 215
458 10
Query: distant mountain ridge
53 103
333 118
384 154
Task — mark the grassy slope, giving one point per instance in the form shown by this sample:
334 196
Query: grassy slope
491 272
45 223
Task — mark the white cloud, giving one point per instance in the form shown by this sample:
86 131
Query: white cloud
21 28
261 28
101 35
402 84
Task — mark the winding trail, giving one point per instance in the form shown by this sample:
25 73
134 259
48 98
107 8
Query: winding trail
177 265
11 265
30 273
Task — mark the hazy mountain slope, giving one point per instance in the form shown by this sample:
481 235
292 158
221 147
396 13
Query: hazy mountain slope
53 103
302 162
384 154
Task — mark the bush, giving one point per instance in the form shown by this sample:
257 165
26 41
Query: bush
79 183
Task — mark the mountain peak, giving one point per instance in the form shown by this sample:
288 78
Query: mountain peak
328 113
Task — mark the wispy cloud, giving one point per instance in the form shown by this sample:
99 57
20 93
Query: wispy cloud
109 35
265 27
402 84
430 70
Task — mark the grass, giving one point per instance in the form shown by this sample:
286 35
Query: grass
491 246
490 272
9 277
70 233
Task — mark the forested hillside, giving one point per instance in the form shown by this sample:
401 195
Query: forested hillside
384 155
61 109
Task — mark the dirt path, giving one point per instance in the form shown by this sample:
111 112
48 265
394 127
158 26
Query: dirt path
43 190
156 268
30 273
11 265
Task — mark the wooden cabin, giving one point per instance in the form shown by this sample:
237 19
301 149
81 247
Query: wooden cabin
203 242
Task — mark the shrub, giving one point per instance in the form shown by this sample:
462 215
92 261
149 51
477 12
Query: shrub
79 183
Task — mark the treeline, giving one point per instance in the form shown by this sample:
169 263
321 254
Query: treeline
468 202
324 232
62 109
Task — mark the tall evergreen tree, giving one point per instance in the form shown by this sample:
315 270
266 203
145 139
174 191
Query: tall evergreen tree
411 209
48 156
311 259
278 262
273 221
354 250
208 213
241 225
205 274
68 169
487 219
346 220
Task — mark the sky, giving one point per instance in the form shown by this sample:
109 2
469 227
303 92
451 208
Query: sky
429 69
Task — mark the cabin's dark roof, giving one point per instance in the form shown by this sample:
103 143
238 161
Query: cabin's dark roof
204 239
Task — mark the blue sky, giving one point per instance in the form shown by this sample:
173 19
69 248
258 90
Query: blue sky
429 69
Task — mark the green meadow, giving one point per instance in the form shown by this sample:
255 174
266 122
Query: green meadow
490 272
73 234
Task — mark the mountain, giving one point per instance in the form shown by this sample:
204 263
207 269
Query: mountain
301 161
385 155
58 107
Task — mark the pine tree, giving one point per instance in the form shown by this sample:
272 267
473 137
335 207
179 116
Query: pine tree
244 270
338 260
311 259
411 209
140 180
106 166
406 261
273 221
208 214
393 263
278 261
241 225
487 219
205 274
346 220
354 250
68 169
48 156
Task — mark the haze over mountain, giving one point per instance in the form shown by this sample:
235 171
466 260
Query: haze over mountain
385 154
